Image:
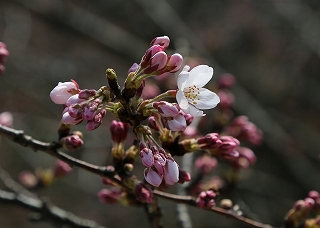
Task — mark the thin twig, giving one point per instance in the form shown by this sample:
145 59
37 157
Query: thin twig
19 137
191 201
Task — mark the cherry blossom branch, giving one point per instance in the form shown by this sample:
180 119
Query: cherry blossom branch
191 201
45 209
19 137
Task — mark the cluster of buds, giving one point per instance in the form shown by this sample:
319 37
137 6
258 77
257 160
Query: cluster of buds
242 129
73 141
223 146
4 53
80 105
156 61
206 199
301 210
160 165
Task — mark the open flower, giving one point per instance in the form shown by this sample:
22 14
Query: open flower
191 97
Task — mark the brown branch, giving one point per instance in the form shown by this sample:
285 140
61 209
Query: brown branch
19 137
43 207
191 201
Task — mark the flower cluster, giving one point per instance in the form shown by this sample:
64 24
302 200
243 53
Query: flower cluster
80 105
160 166
152 116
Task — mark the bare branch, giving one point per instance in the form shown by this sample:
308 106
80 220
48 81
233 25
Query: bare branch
43 207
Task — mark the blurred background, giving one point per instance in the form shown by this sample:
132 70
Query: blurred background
271 47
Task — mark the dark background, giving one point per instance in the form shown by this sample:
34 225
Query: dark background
272 47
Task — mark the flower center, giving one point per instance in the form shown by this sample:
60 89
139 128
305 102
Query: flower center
191 93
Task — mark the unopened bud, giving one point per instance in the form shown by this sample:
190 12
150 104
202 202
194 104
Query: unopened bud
72 142
119 131
143 193
61 169
163 41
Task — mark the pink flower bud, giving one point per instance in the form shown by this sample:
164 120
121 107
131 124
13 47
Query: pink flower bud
119 131
159 162
61 169
146 156
163 41
152 177
209 141
157 62
109 196
75 111
67 119
229 143
96 121
143 193
177 123
72 142
6 119
90 110
148 55
171 172
166 109
184 176
314 195
63 91
87 93
206 199
174 63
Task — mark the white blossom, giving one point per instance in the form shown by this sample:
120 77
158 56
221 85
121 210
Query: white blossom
191 97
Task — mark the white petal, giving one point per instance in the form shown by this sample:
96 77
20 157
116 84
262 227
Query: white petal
171 173
152 177
182 100
182 79
177 124
208 99
200 76
194 111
